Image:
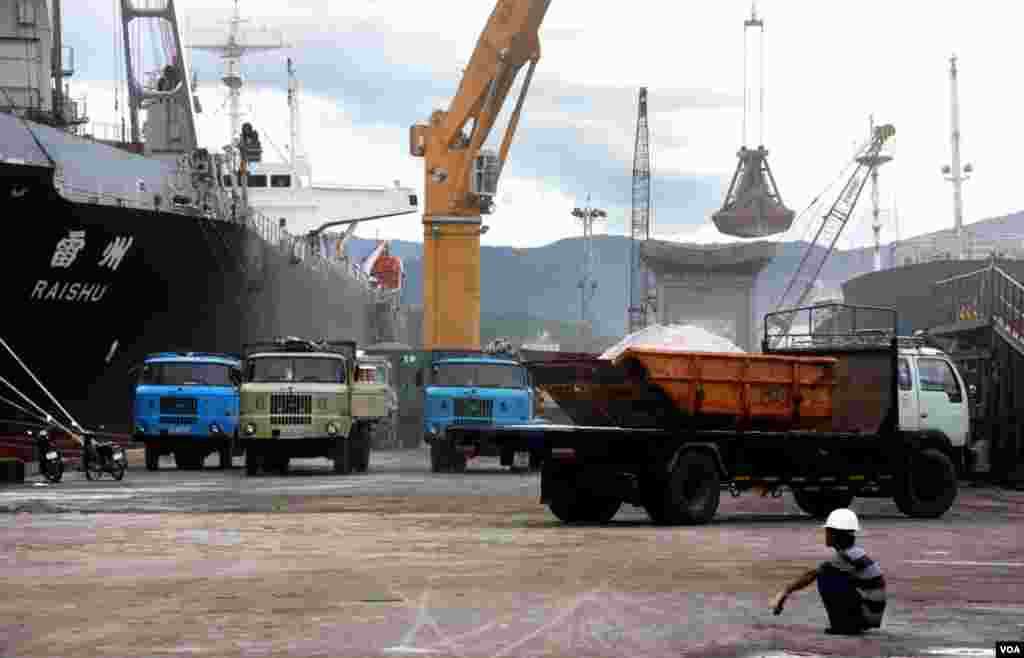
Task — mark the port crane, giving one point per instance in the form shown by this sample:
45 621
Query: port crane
829 229
462 176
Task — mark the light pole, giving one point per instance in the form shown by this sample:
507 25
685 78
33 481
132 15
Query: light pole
588 287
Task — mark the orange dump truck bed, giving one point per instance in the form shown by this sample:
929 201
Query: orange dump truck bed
765 391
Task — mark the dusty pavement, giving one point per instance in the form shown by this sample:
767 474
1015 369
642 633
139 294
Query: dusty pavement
404 562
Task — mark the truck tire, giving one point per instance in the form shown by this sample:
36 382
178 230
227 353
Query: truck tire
224 454
281 465
691 493
438 463
342 457
928 487
361 450
570 507
253 461
152 458
819 504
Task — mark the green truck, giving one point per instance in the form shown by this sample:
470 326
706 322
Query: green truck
299 399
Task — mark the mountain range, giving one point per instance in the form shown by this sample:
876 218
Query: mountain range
529 289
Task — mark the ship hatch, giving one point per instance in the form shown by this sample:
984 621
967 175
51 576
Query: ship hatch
753 207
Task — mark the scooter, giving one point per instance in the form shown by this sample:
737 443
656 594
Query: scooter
51 462
99 457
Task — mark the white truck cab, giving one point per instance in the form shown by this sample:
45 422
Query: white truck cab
932 394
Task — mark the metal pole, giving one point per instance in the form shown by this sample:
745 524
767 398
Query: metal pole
956 175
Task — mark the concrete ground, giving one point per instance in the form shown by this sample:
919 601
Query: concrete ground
404 562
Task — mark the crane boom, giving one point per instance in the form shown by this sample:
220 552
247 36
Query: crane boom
831 227
461 177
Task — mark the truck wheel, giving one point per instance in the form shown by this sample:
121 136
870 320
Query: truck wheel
364 460
929 486
282 465
573 508
152 458
253 462
535 462
342 457
820 504
691 493
224 455
438 458
361 450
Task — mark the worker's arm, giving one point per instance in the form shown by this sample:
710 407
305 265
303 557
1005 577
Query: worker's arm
803 581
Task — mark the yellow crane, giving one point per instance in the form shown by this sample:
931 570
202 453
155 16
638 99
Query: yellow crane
462 177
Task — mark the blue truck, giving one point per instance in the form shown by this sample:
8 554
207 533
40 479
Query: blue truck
474 388
186 404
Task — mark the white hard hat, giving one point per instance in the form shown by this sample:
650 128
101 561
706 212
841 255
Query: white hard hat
842 519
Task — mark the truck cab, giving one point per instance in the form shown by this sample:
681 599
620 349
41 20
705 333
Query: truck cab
932 394
296 402
474 390
186 404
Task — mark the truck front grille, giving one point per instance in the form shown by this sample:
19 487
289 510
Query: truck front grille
472 408
177 420
291 403
472 421
291 420
179 406
291 409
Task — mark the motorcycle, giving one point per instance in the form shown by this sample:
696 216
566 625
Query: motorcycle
99 457
51 462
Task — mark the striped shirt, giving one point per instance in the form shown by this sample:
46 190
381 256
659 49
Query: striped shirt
867 580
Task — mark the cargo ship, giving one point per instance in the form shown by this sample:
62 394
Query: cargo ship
145 241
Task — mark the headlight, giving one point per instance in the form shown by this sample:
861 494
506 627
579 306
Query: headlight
250 429
332 429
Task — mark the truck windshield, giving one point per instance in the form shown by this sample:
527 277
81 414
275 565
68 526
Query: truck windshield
479 375
296 369
186 374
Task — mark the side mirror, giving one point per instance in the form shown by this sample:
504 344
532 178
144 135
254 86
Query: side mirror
972 391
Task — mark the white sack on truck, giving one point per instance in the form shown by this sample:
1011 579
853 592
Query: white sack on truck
675 338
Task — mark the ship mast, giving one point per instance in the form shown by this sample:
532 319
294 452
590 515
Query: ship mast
237 45
297 153
954 174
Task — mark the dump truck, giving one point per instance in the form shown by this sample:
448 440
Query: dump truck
832 410
374 401
298 400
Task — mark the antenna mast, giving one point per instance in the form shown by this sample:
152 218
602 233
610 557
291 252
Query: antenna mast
954 174
239 42
874 160
641 302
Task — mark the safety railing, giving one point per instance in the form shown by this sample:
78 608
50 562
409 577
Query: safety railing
829 326
300 249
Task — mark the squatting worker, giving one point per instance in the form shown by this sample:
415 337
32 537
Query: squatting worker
851 584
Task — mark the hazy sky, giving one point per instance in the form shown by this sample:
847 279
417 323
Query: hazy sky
371 68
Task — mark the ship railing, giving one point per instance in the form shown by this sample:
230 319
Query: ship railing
277 236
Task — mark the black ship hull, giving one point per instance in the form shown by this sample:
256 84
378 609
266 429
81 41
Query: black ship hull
90 288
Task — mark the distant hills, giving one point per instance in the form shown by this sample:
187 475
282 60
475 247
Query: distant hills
529 289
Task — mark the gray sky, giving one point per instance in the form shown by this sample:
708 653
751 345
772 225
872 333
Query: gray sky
369 69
